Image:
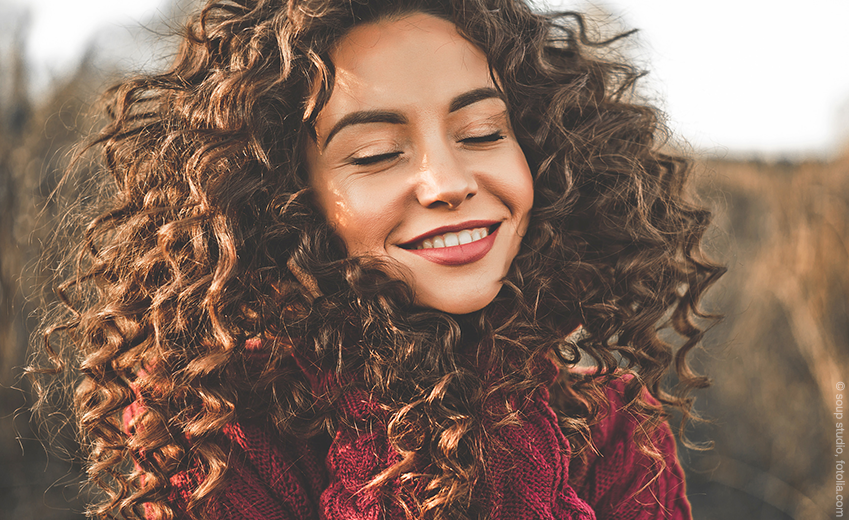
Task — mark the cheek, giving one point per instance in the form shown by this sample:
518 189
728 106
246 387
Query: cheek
528 203
521 192
360 218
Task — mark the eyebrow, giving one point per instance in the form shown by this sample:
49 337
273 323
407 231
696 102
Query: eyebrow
364 117
384 116
471 97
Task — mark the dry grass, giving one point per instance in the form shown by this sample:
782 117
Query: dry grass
36 137
776 361
793 251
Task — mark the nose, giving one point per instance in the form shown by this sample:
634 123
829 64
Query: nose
444 180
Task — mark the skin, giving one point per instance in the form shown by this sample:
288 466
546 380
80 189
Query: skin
413 139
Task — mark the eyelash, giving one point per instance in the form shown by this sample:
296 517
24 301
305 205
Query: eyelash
491 138
376 159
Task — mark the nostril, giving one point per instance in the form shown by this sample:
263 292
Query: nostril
439 203
450 202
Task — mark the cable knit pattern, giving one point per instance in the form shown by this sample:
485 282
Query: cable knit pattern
295 472
528 477
528 469
356 456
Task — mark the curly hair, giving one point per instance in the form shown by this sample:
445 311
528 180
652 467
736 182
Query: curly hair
211 238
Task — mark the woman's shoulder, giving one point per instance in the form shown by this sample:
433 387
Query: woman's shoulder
270 474
616 477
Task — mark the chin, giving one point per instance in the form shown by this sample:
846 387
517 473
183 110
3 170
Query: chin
459 302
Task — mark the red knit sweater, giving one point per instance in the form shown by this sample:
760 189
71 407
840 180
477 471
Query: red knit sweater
295 480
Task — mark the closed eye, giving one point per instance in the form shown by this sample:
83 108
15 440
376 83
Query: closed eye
490 138
374 159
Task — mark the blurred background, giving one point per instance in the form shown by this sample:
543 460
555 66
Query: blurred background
760 96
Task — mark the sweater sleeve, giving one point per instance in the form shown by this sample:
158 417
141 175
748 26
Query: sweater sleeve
621 483
269 478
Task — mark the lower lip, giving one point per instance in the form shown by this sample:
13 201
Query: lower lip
458 255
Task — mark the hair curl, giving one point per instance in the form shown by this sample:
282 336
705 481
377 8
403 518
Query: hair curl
211 238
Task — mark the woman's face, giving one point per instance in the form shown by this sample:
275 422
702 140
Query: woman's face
415 160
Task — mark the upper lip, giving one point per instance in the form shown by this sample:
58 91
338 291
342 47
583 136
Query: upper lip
470 224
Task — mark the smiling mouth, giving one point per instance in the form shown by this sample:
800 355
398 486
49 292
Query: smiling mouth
453 238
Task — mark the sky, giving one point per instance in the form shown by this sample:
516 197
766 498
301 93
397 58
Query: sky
732 76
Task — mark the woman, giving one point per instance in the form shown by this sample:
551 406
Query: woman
354 252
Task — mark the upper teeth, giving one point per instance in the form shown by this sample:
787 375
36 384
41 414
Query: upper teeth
465 236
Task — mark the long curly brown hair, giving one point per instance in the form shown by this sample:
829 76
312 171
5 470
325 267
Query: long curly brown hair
210 238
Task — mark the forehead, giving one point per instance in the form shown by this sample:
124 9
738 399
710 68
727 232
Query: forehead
415 62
